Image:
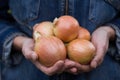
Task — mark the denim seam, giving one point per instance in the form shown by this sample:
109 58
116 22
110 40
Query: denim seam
91 8
71 9
25 23
62 7
117 31
8 39
37 11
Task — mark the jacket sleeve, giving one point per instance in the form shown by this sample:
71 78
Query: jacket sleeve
114 3
114 48
8 31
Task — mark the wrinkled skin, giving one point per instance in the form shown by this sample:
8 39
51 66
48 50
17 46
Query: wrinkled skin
31 55
100 39
26 45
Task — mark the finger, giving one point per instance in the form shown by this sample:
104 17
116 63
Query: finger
56 68
35 26
72 70
34 56
70 66
30 55
27 54
79 69
69 63
97 60
83 68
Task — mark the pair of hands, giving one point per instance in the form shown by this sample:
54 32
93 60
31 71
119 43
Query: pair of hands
100 38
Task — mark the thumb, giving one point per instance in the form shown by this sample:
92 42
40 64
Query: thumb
58 67
34 56
97 60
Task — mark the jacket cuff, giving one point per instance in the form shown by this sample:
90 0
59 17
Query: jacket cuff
10 56
114 48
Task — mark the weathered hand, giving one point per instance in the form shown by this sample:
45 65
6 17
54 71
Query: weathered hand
26 45
100 39
75 68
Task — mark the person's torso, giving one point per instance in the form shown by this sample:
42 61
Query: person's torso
89 13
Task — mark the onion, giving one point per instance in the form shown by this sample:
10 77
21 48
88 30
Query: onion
44 28
81 51
84 34
49 50
66 28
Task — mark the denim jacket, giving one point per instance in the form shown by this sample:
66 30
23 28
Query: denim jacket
8 31
90 14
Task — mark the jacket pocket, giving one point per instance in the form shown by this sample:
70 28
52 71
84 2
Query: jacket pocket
29 9
101 12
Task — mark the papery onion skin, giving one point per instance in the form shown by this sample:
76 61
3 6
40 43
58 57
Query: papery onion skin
44 28
81 51
50 50
66 28
84 34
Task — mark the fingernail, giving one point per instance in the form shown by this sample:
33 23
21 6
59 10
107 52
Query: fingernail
94 64
34 57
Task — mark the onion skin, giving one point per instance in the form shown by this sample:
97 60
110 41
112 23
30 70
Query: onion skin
81 51
50 50
84 34
44 28
66 28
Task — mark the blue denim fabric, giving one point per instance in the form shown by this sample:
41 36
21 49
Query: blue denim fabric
7 34
4 8
23 71
89 13
114 49
108 70
8 30
114 3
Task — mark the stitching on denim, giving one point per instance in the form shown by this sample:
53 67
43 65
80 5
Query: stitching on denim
8 38
71 7
62 7
25 23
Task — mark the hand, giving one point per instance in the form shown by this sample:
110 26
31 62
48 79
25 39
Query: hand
27 45
100 39
75 67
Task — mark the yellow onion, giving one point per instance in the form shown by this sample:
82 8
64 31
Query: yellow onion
81 51
84 34
44 28
66 28
49 50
